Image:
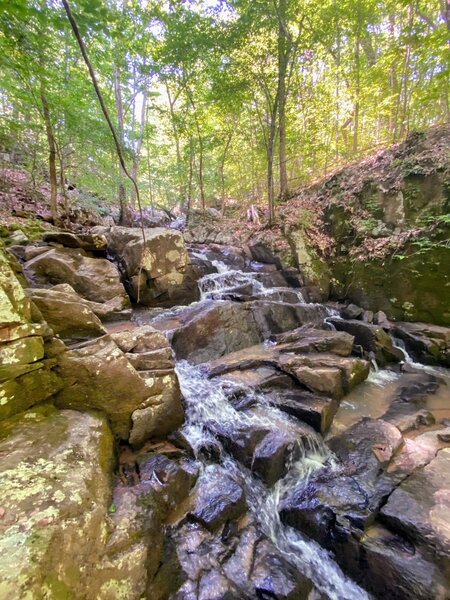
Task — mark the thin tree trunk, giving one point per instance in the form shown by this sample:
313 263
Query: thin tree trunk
200 146
270 154
51 155
138 148
283 57
181 187
62 181
222 168
124 218
190 176
358 90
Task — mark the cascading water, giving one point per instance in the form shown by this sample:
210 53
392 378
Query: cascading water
208 413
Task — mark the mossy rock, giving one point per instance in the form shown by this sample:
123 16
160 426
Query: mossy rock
314 269
55 470
415 288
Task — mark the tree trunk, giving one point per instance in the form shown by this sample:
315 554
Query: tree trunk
200 147
270 153
51 155
222 168
283 57
357 86
190 176
181 187
138 147
124 217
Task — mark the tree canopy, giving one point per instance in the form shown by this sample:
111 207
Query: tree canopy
215 101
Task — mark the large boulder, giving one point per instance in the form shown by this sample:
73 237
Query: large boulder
158 270
95 279
55 470
412 289
140 404
212 329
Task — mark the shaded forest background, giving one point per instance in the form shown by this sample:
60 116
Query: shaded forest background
215 103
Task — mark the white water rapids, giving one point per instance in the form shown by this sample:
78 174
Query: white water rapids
209 412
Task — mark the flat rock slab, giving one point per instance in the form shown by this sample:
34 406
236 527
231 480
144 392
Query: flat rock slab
305 339
420 506
325 373
67 314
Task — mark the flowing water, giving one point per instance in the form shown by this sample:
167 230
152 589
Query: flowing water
209 412
211 416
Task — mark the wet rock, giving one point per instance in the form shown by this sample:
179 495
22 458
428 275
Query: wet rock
328 509
94 279
367 316
429 343
380 318
372 338
263 254
326 373
317 411
352 311
408 409
171 480
242 441
272 456
390 566
55 470
252 357
218 498
306 339
277 317
273 577
327 380
66 313
366 450
264 378
214 586
420 506
90 242
212 329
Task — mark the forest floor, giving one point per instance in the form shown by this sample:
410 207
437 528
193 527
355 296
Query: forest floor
26 206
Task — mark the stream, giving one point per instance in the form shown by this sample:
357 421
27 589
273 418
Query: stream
220 411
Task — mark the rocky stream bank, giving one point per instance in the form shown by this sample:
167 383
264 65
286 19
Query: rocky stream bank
229 437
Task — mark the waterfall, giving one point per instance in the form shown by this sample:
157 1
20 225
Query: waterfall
209 412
